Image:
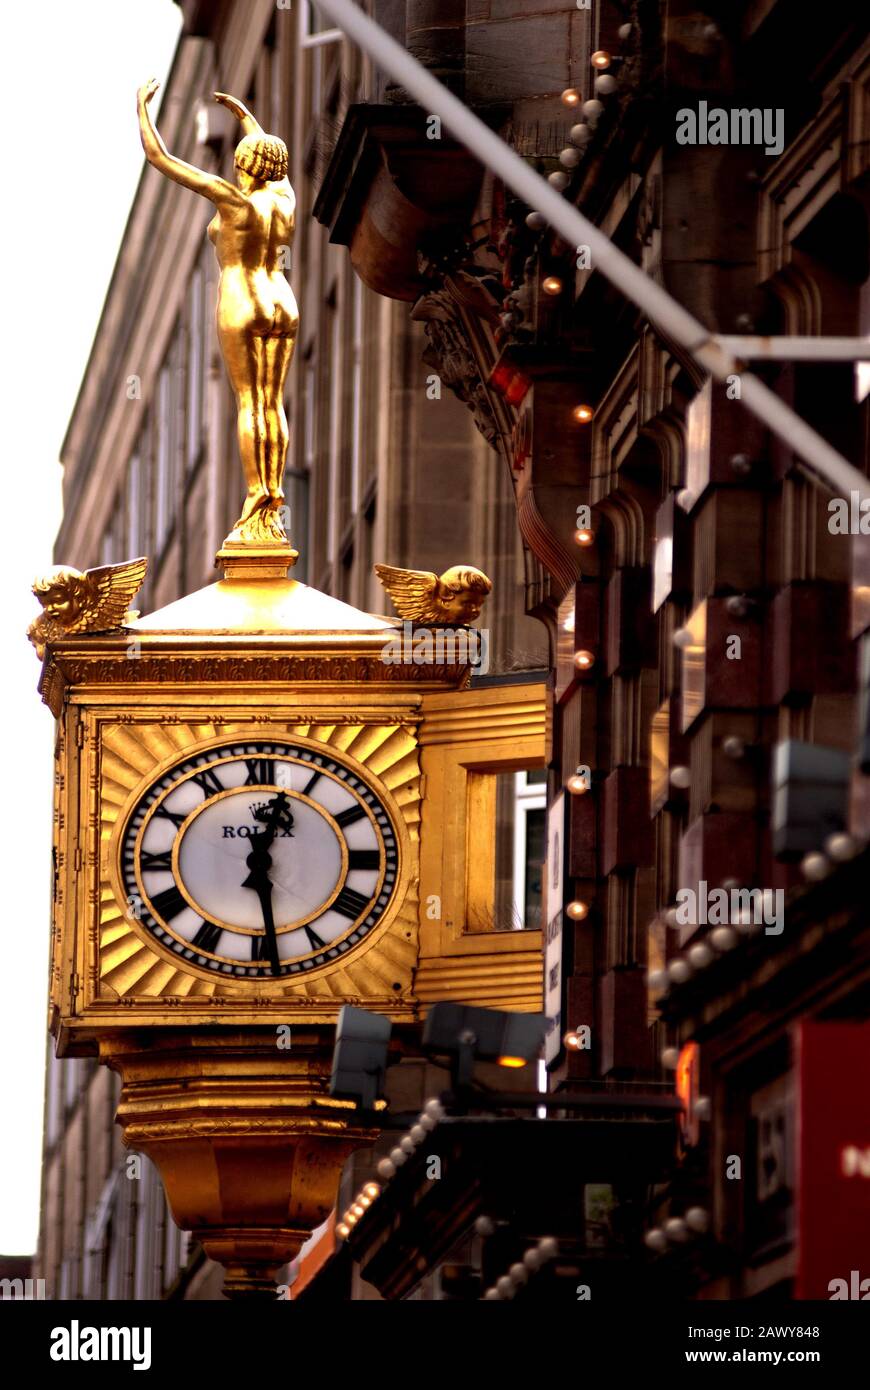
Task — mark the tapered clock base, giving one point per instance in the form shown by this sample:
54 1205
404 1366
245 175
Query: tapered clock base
247 1140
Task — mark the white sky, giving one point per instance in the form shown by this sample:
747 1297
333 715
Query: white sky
69 74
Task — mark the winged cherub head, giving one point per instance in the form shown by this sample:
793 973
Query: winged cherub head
63 594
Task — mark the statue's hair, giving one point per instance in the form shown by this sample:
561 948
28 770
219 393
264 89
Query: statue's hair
263 157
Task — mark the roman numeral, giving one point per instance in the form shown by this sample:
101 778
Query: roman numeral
364 859
353 813
258 947
208 781
349 903
161 860
316 943
170 902
177 820
261 772
208 936
310 784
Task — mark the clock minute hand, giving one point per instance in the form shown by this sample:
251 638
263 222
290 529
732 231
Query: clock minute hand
259 862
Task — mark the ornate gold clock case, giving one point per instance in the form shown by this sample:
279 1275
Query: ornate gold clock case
243 789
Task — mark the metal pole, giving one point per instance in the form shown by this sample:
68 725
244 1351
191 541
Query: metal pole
670 318
794 349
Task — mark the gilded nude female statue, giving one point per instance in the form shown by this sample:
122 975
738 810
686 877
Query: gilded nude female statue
257 318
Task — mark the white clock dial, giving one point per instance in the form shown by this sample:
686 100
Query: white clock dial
256 859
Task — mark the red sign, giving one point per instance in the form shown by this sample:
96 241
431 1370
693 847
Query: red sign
834 1161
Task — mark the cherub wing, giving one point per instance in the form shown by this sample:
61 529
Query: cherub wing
413 592
111 590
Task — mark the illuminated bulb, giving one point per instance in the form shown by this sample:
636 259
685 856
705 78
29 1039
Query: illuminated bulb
577 783
350 1219
386 1168
723 938
407 1144
842 847
815 867
364 1202
568 624
357 1210
536 221
372 1190
697 1219
606 84
580 134
572 1042
679 971
434 1109
571 97
680 777
656 1240
398 1157
507 1061
559 180
601 59
583 660
582 414
569 157
700 956
427 1123
551 284
418 1134
733 747
670 1057
676 1229
577 910
592 110
342 1229
584 536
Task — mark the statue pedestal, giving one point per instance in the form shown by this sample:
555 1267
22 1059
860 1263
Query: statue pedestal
244 560
247 1140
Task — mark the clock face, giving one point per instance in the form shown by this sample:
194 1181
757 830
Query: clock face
259 859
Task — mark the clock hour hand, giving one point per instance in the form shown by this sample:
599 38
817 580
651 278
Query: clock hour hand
258 880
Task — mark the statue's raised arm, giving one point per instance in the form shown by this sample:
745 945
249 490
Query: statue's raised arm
257 317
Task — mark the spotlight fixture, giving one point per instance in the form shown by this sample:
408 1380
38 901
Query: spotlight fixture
359 1060
465 1034
582 414
583 660
601 59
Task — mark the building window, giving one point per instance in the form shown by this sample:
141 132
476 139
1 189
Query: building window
506 825
530 809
